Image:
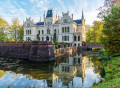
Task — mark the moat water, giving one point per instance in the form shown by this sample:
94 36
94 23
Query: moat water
81 70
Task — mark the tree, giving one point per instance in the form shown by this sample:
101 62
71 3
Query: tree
54 37
88 33
106 9
20 33
38 38
3 29
111 31
16 31
94 33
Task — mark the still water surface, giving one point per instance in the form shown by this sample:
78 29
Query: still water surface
76 71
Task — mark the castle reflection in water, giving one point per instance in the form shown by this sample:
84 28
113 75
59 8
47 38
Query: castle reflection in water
68 72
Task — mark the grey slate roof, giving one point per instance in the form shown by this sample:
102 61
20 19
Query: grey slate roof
78 21
49 13
39 23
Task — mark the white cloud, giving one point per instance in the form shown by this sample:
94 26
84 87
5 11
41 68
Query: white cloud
62 5
32 0
14 9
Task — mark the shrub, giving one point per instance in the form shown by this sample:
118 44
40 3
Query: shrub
59 46
53 43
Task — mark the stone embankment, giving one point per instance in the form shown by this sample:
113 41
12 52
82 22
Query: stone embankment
33 50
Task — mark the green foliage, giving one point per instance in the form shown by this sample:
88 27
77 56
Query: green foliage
16 30
53 43
112 71
94 33
29 39
111 31
68 45
3 29
38 38
104 56
65 46
56 47
54 37
12 32
59 46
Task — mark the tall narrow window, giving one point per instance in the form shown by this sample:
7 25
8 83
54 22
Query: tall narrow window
42 32
65 38
65 29
74 44
75 38
68 30
48 31
30 31
62 29
55 31
78 38
39 32
42 38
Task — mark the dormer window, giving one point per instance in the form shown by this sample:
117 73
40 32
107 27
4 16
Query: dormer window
65 20
28 24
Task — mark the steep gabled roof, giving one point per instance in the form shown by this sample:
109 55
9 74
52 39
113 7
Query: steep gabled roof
78 21
39 23
49 13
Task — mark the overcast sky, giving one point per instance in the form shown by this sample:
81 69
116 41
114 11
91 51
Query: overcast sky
36 8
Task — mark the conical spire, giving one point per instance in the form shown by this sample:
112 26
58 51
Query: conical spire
40 19
44 14
82 14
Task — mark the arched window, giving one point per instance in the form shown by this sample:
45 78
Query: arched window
68 29
75 38
78 38
47 38
62 29
39 32
65 29
42 38
74 44
42 32
48 31
55 31
28 31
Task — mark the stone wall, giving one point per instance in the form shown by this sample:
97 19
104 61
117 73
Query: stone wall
33 50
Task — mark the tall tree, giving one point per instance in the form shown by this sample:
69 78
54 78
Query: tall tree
3 29
94 33
106 9
111 31
88 33
16 31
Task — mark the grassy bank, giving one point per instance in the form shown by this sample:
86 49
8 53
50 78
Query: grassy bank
112 74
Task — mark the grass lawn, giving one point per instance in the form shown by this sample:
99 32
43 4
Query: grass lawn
112 74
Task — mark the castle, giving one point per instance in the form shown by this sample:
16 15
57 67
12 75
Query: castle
56 28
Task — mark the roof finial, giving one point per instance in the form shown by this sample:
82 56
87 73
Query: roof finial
82 14
56 14
44 14
40 19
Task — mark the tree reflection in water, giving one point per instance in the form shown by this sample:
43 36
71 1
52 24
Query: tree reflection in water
69 71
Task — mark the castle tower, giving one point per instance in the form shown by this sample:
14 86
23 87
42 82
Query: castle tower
83 28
